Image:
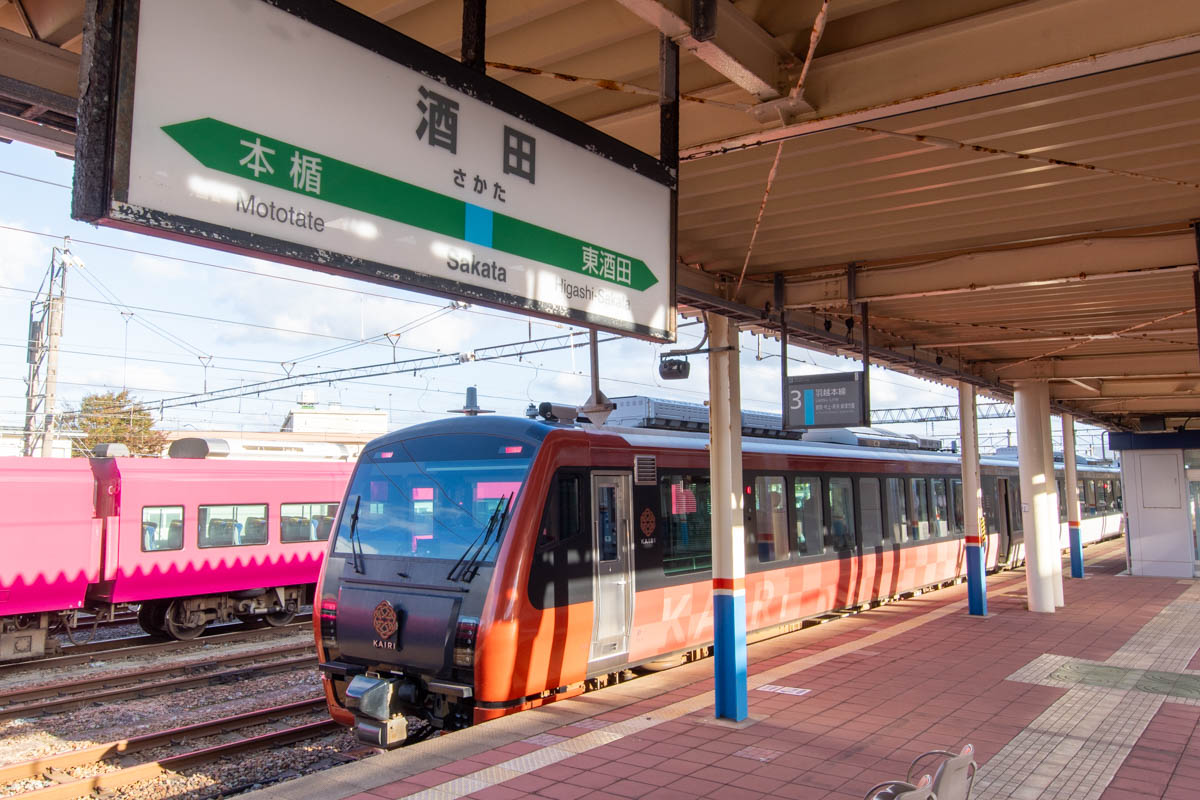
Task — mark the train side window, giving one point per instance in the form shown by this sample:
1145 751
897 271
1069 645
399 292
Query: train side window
941 510
232 526
687 510
956 505
841 514
162 528
766 535
1117 502
1062 499
1102 496
871 513
561 519
806 499
306 522
897 508
1089 506
918 509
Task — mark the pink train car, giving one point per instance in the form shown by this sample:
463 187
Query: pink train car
191 541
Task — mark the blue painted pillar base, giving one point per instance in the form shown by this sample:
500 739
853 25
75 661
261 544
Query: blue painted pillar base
1076 550
729 654
976 581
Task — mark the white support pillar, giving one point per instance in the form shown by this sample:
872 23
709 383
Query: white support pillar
1053 528
1039 571
728 535
1071 484
972 497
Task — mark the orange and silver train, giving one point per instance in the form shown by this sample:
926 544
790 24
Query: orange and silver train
485 565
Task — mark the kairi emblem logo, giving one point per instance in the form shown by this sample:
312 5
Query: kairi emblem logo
386 625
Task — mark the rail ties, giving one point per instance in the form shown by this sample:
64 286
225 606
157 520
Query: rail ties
107 781
115 687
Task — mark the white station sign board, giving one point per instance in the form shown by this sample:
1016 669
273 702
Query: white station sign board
306 133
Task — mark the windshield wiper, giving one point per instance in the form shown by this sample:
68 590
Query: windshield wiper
355 545
472 569
455 574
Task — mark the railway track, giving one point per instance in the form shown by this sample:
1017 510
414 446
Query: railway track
50 699
141 645
66 787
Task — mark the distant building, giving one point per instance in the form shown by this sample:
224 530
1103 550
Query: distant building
12 442
336 420
308 434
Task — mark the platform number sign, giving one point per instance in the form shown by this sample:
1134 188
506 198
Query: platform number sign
825 401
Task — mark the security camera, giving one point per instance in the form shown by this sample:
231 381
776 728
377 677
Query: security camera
674 369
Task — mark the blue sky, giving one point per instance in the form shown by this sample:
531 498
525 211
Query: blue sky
147 313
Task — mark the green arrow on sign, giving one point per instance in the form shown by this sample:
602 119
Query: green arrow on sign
252 156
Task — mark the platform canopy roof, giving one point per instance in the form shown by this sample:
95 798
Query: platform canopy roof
1009 185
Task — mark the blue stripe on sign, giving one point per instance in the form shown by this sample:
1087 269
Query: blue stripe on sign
808 407
478 228
729 656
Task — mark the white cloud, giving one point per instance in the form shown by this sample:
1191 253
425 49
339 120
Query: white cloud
161 268
23 258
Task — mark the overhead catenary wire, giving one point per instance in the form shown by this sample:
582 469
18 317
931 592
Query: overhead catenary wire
408 327
281 277
199 317
95 282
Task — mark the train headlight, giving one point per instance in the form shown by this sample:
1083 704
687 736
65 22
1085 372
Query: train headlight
464 641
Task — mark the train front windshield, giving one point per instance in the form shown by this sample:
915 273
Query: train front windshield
433 496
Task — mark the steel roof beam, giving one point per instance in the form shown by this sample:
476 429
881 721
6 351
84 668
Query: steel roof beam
1125 389
1016 47
1174 364
1174 406
20 130
740 50
1058 264
39 65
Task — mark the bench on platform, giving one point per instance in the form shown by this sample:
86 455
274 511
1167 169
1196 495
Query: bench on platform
953 779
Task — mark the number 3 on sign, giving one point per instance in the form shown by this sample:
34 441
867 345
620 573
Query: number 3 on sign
796 400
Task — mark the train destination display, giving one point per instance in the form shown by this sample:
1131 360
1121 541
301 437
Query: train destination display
315 136
824 401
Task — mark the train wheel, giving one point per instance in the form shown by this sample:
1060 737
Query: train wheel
277 619
178 630
151 616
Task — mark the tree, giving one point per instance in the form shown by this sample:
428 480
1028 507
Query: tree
115 417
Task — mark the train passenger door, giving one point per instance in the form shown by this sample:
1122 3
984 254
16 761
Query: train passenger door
612 606
1005 546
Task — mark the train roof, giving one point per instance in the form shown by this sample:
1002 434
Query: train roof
536 430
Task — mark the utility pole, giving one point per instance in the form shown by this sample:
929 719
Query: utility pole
45 330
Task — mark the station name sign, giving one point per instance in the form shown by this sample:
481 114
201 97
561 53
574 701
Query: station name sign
304 132
825 401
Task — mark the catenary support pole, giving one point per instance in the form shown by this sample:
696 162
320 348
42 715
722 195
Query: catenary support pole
1053 541
972 501
728 536
1072 488
54 322
1032 467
